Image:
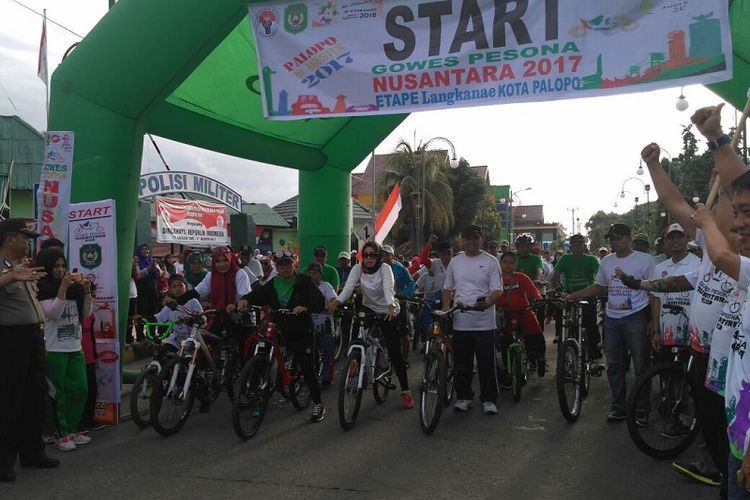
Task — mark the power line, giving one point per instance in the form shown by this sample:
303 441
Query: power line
8 96
48 19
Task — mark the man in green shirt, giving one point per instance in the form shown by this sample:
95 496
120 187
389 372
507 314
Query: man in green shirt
528 263
578 271
320 255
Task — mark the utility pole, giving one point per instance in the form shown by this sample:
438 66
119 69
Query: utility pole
572 211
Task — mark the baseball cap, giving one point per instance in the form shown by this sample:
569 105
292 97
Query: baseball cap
618 230
387 249
492 243
245 250
284 255
471 231
344 255
9 226
674 227
602 249
693 245
577 237
443 246
642 237
320 249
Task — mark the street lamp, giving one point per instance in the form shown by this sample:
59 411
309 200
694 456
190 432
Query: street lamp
647 190
421 198
640 170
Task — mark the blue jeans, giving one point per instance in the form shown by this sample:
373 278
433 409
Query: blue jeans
621 335
736 492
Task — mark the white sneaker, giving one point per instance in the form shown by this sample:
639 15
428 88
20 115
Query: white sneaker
65 444
462 405
80 438
489 408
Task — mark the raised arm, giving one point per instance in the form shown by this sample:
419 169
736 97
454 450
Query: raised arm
719 250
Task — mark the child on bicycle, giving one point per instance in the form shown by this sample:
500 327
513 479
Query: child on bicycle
171 312
514 301
323 324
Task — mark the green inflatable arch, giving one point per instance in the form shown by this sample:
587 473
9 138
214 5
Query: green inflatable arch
186 70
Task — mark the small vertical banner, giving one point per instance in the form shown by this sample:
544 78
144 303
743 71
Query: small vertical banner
53 196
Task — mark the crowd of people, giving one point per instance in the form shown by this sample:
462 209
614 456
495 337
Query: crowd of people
690 293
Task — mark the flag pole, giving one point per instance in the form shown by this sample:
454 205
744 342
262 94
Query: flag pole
46 73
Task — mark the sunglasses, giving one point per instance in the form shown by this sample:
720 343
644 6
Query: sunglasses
370 254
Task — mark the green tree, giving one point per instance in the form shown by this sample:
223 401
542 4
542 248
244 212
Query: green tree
468 192
488 219
422 177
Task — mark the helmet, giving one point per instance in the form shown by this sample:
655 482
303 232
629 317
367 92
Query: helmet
525 238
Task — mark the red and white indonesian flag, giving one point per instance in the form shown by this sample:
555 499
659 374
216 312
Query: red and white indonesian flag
388 216
41 69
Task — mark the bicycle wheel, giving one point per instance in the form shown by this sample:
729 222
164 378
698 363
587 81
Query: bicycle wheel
381 386
517 371
140 398
661 412
171 409
251 403
568 381
299 392
450 377
432 392
350 396
585 374
337 334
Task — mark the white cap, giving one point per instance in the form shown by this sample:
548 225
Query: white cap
388 249
674 227
344 255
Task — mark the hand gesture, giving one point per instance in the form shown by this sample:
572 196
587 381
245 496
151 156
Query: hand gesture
242 304
628 280
701 216
332 306
650 154
391 313
708 121
433 238
86 285
23 273
67 280
299 310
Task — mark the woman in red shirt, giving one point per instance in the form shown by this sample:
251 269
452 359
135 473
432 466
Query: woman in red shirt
514 302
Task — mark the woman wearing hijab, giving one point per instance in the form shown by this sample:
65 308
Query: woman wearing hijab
65 299
147 274
376 283
194 270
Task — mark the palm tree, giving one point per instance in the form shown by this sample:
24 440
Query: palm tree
421 175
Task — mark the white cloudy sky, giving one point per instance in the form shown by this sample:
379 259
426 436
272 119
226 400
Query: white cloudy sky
574 153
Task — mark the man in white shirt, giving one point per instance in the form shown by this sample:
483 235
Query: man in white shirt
627 312
473 278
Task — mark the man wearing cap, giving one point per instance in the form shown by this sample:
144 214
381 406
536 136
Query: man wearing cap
250 265
473 278
662 252
344 268
627 312
641 243
529 263
504 246
22 367
436 267
669 320
492 249
578 271
320 255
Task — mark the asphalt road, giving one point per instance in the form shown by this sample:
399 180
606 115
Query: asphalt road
527 451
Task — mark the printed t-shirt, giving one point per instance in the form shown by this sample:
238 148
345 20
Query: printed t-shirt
323 322
427 285
180 331
737 393
725 332
438 270
712 289
621 300
673 325
529 264
471 278
62 334
515 297
577 272
283 289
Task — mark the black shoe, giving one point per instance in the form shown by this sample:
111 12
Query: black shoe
39 460
318 412
7 476
675 431
691 470
616 415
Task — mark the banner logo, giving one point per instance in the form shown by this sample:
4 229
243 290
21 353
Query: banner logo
91 255
295 18
267 22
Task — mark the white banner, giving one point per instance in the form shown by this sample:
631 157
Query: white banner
335 58
191 222
53 196
93 251
160 183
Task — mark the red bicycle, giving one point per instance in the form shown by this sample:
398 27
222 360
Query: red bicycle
271 368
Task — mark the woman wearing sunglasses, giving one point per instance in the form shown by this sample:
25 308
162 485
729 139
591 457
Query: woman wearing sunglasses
376 283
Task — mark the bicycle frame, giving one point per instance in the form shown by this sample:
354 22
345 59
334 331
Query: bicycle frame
191 346
368 348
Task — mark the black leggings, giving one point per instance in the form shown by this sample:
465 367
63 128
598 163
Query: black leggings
303 348
392 337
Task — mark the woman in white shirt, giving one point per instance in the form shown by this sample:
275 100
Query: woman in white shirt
65 299
376 283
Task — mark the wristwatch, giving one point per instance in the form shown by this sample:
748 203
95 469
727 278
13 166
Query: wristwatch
718 142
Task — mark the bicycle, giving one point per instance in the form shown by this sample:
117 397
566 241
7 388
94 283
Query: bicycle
515 359
192 373
343 326
366 361
439 378
661 408
272 367
140 397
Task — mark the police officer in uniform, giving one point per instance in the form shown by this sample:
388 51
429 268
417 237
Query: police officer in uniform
22 356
